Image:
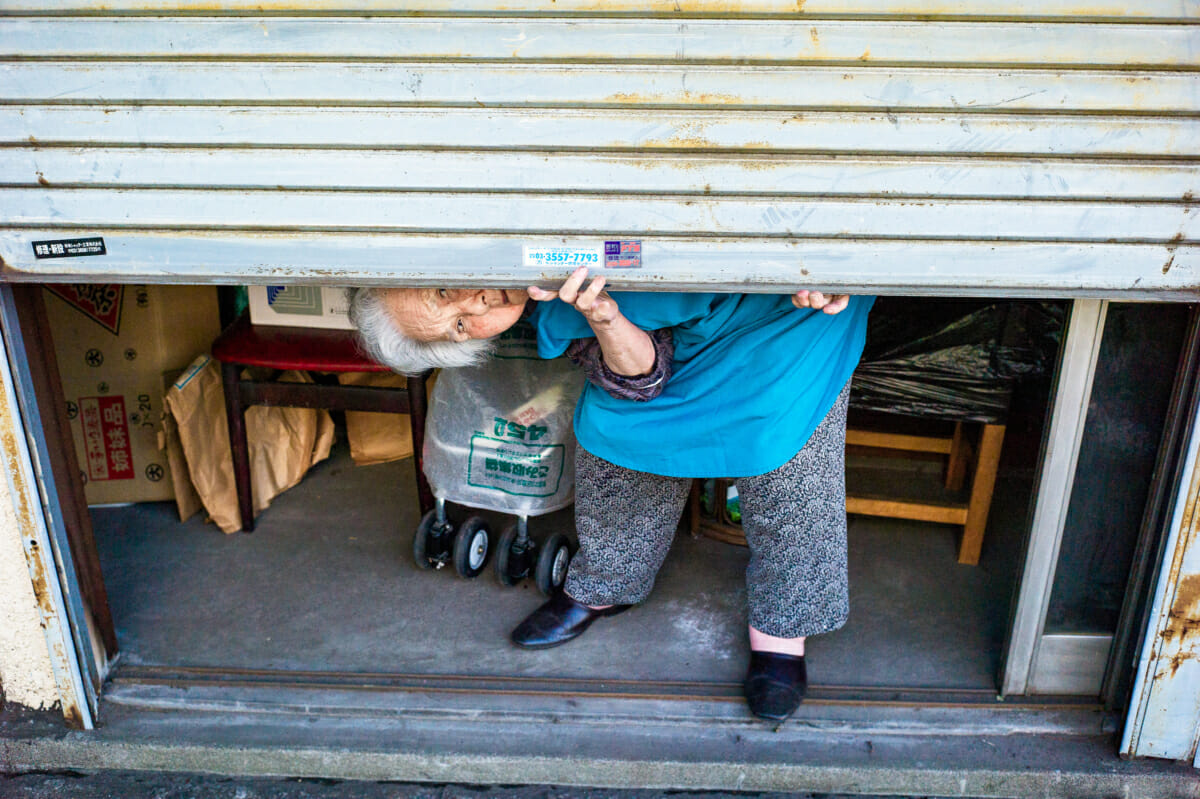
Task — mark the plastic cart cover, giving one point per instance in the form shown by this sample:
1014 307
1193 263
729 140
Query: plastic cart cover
500 436
953 359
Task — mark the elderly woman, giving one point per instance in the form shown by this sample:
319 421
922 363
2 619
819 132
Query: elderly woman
749 386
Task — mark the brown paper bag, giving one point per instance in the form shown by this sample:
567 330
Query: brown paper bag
377 437
187 501
284 442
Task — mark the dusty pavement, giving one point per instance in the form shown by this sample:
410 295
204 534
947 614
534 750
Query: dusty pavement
156 785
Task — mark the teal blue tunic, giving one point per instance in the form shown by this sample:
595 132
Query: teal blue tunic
753 377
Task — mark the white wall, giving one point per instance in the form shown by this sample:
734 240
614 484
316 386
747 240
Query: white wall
25 671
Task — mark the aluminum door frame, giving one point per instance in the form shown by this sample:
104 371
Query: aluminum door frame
1036 662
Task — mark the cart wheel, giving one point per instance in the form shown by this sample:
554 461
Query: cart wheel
504 556
421 540
471 547
552 564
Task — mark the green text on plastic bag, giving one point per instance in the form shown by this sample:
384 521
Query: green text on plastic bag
512 467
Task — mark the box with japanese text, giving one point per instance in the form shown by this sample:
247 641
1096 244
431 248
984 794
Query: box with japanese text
113 343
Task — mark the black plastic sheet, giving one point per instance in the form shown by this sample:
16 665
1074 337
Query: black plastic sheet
953 359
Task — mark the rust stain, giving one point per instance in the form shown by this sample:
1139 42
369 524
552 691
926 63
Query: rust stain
1184 618
696 98
680 142
677 6
1183 623
866 56
1176 240
42 180
73 718
1177 660
41 590
681 6
38 579
689 136
8 443
653 163
689 164
763 164
812 34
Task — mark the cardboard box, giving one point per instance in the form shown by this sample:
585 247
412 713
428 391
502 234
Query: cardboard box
300 306
113 344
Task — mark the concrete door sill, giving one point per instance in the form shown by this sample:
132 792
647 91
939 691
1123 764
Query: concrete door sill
488 731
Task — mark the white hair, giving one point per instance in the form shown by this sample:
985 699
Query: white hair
383 340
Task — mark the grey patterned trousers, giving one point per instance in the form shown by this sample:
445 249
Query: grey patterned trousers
794 519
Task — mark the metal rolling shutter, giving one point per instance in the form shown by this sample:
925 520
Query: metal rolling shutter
1013 147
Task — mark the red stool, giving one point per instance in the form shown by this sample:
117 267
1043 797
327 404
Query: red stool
310 349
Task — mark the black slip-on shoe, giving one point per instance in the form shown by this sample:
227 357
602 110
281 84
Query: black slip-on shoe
559 620
775 684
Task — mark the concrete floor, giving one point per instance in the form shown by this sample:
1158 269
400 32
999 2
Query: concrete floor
326 583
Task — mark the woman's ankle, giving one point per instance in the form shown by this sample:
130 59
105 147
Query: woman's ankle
761 642
586 605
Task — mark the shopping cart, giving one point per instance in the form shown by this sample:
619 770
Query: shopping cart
499 437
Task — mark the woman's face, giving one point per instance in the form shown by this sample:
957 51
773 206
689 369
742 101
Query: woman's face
455 314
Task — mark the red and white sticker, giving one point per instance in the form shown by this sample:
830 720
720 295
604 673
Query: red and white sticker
106 438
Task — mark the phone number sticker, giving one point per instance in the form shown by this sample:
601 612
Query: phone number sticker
564 256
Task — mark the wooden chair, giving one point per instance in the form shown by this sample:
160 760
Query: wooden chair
980 460
315 350
982 464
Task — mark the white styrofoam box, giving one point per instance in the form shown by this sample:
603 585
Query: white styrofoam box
300 306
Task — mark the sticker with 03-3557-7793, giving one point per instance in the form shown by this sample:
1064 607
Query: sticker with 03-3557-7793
612 254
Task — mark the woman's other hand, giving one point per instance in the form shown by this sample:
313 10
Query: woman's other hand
593 302
828 303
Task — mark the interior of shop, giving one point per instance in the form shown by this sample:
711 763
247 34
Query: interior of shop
326 583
